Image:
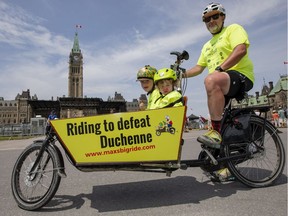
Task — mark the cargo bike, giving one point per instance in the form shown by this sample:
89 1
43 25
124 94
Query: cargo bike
251 148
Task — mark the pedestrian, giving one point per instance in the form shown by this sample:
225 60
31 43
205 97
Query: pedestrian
282 117
275 117
51 116
201 122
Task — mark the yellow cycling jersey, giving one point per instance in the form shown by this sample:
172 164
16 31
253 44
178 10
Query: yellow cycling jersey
216 50
174 99
155 94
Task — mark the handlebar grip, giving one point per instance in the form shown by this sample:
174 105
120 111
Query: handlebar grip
180 56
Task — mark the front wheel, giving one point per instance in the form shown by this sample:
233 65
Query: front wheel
264 158
172 130
34 190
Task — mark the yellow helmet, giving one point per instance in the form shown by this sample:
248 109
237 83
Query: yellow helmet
165 73
146 72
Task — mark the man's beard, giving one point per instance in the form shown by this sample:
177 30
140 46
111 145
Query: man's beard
215 29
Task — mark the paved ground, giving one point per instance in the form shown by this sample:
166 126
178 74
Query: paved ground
140 194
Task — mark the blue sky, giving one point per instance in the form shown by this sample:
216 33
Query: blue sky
119 37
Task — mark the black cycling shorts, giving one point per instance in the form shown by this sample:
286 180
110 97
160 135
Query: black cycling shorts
239 84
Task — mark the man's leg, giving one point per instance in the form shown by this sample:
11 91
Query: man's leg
217 85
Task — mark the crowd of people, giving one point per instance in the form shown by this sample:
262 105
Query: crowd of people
279 117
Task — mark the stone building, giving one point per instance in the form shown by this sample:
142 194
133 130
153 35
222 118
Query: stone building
16 111
75 77
270 95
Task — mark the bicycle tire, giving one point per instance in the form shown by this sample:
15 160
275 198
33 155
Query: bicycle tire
263 163
172 130
34 191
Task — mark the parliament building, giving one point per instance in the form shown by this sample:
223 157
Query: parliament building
25 106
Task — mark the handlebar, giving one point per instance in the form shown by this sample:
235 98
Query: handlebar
184 55
181 56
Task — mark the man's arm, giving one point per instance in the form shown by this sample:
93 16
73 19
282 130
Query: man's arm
238 53
194 71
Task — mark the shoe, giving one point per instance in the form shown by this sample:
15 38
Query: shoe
212 139
222 175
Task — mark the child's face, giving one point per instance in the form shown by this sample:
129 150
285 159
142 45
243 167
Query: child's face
165 86
146 84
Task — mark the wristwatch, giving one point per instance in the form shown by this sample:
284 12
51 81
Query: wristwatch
219 69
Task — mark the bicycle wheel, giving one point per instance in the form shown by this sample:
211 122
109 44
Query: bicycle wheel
31 192
264 158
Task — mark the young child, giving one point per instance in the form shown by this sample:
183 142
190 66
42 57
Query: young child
165 80
146 78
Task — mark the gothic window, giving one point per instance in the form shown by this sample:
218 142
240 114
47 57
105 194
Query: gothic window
283 96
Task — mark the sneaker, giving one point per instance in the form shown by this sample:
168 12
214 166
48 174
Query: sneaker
222 175
212 139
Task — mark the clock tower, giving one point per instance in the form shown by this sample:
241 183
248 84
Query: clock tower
75 77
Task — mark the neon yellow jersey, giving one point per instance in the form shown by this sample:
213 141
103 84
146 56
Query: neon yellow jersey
155 94
216 50
164 101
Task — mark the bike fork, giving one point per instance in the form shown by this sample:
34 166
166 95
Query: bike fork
39 157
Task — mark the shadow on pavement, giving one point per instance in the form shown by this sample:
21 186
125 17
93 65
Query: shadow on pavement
146 194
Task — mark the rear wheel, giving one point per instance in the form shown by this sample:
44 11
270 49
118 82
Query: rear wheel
32 191
172 130
264 158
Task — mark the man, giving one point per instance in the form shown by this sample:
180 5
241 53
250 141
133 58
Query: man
230 69
51 116
282 117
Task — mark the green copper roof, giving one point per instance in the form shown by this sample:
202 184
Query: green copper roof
76 47
260 101
280 85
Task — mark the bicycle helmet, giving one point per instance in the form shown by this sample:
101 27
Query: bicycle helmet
146 72
165 73
214 7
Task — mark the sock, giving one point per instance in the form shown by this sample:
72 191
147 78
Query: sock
216 125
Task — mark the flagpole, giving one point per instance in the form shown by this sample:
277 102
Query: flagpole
285 64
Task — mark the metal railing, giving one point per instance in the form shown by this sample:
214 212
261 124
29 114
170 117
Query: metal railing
22 130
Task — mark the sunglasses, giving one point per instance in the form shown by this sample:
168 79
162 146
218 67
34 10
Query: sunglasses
214 17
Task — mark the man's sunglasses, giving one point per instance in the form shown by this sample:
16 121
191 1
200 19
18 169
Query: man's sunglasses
214 17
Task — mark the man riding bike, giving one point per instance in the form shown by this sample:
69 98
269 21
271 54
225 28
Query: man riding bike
230 69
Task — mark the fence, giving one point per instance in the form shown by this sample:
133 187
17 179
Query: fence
36 127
